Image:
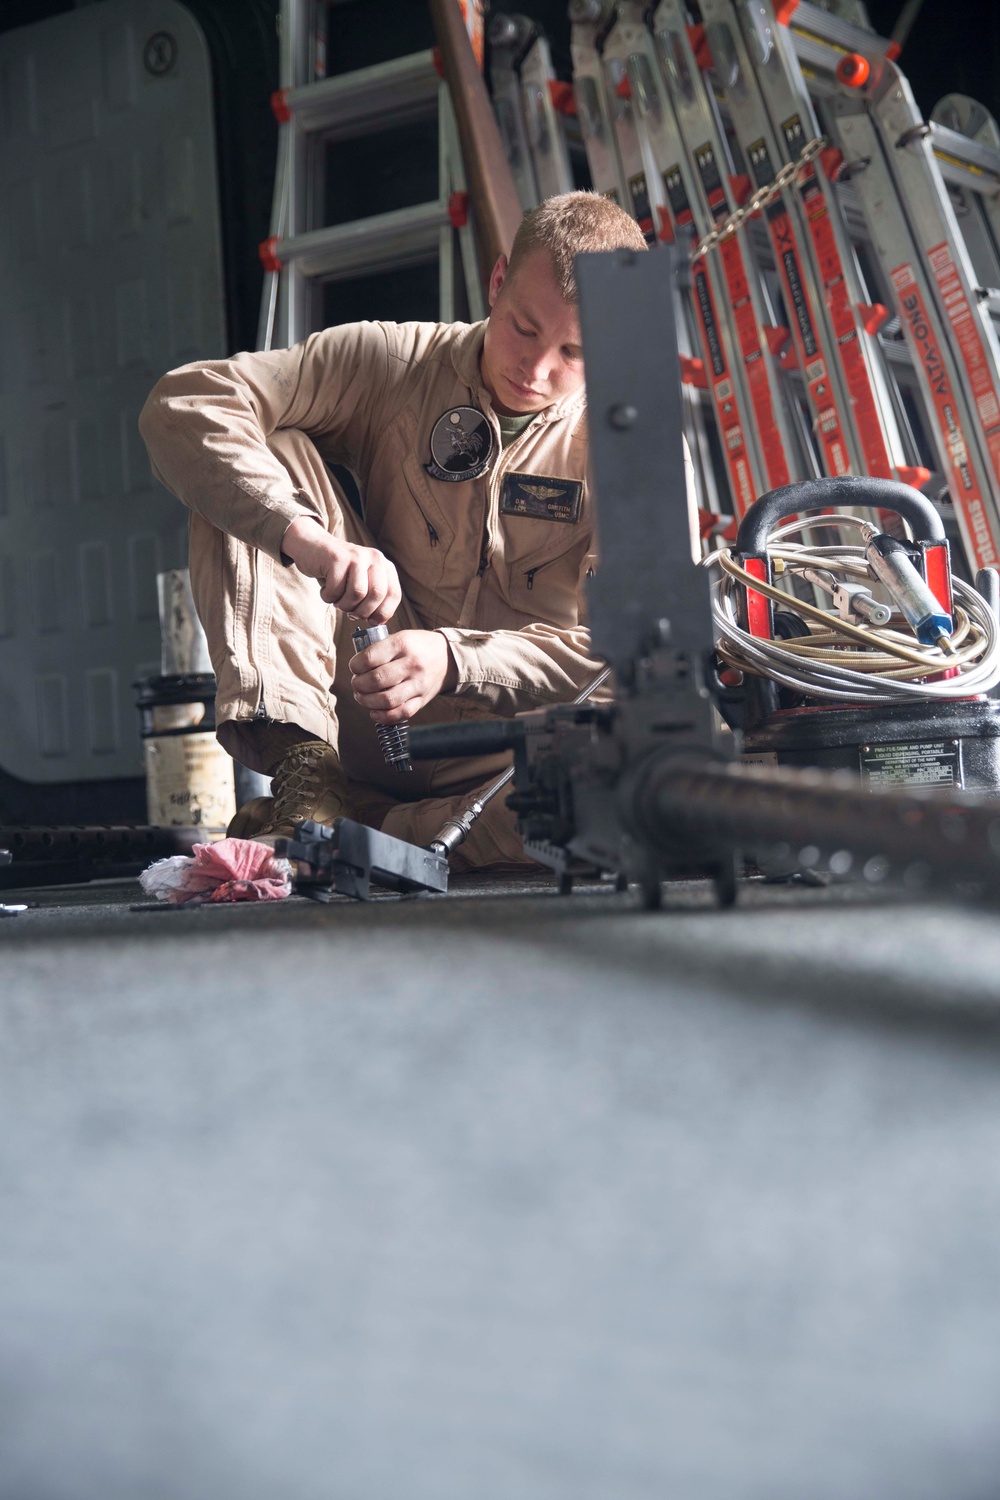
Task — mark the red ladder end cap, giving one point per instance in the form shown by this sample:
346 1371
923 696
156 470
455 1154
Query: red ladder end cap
699 46
872 315
785 10
268 258
831 159
693 372
914 475
665 233
776 338
893 50
458 210
279 106
853 71
624 87
562 96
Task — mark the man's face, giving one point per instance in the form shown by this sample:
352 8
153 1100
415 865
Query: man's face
532 355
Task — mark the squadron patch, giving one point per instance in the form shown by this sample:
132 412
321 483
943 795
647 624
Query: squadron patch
541 497
461 445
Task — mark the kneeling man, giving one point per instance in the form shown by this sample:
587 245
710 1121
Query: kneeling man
469 447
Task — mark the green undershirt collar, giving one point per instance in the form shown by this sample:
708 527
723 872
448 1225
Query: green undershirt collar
512 427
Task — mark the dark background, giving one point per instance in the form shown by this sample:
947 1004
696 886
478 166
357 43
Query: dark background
952 48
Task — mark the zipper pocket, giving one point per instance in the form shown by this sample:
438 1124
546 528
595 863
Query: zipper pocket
411 482
529 577
432 535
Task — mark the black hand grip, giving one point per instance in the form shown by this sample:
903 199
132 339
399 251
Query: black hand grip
842 492
444 741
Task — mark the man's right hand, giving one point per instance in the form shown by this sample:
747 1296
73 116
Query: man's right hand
359 580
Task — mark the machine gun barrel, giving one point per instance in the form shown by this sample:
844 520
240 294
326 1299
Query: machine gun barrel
439 741
823 822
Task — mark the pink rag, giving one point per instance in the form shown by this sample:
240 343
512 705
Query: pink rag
231 870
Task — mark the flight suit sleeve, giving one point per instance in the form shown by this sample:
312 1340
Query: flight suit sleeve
206 426
510 671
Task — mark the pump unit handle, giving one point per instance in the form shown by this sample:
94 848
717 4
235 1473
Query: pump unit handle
848 490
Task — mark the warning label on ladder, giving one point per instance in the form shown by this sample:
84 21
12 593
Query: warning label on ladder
966 492
968 335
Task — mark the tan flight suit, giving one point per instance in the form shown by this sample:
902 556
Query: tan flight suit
495 563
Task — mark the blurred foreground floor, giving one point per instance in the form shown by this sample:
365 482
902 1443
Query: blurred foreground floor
500 1197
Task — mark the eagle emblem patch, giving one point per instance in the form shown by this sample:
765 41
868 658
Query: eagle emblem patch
461 445
542 497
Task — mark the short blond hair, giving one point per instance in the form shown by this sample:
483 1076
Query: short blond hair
567 226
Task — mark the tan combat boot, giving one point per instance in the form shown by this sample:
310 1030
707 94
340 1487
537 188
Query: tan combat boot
308 782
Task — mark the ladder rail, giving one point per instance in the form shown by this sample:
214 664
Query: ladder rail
697 133
606 172
802 294
630 43
301 254
546 137
507 42
793 119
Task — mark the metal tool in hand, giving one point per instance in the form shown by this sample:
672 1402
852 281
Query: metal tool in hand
393 739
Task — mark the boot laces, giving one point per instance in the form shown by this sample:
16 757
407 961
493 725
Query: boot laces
301 780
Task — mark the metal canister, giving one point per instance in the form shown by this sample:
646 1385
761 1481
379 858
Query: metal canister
189 776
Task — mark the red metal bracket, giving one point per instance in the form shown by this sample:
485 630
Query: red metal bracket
458 210
562 96
266 250
693 372
854 71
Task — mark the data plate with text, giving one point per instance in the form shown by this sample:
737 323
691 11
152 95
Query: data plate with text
933 763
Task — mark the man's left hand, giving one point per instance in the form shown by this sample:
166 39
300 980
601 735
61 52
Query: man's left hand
395 678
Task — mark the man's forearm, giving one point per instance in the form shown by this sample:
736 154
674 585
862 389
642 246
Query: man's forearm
509 671
208 427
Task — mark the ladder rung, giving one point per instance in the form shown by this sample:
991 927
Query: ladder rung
388 94
810 23
975 165
405 237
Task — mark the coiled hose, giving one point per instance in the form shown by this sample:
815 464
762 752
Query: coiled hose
842 660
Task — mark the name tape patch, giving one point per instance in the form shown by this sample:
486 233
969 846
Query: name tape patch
539 496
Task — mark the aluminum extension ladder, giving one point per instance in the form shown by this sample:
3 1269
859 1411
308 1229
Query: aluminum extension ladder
299 254
526 100
849 323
